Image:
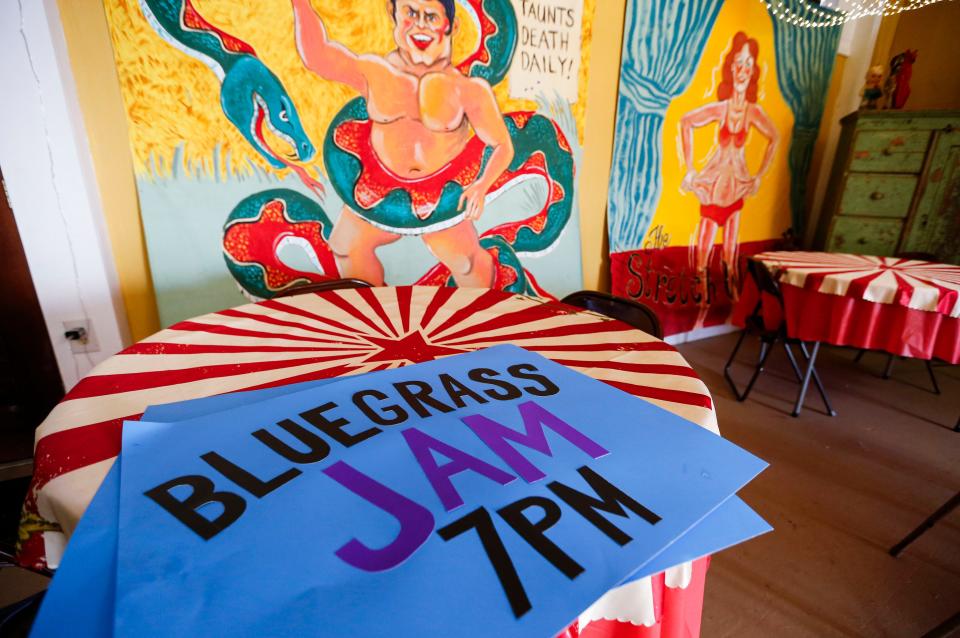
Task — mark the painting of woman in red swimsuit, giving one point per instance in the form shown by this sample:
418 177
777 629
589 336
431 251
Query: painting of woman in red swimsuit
725 179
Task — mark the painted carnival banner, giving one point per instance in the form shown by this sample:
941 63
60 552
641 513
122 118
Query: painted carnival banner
375 501
412 141
718 110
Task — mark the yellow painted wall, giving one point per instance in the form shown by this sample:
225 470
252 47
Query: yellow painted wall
88 43
766 214
932 30
98 89
598 145
881 48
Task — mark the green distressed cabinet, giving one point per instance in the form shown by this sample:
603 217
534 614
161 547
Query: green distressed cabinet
895 186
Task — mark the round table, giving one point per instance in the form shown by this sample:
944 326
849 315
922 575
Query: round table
905 307
344 332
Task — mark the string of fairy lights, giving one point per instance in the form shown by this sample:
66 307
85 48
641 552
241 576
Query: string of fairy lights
811 15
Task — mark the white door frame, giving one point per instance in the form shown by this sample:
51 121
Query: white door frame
51 186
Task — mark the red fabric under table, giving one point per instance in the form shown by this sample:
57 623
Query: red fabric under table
845 321
678 611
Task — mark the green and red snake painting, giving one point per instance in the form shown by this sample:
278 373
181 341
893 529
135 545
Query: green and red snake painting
252 98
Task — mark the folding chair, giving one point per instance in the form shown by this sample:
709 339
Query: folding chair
628 311
769 336
323 286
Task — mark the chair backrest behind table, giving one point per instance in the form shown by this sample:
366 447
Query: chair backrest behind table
628 311
764 279
917 256
324 286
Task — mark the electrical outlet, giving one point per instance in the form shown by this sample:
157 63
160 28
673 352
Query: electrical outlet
79 334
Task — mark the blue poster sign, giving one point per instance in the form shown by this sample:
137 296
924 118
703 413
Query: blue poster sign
82 593
488 481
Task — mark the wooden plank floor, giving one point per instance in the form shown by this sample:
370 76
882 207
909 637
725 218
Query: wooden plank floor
840 491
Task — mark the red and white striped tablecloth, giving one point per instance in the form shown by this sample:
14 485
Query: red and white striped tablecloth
903 306
919 285
345 332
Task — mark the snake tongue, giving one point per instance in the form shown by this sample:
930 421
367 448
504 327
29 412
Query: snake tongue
270 141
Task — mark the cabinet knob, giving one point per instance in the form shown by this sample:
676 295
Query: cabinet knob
948 128
887 151
876 196
862 241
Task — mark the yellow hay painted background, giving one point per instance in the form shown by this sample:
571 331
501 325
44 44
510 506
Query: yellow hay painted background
173 99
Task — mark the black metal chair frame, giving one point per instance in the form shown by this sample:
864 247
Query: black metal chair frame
20 613
629 310
768 339
951 624
929 522
946 628
323 286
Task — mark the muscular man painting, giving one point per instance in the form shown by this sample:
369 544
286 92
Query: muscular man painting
423 111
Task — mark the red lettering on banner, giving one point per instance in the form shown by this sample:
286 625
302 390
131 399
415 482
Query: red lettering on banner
664 279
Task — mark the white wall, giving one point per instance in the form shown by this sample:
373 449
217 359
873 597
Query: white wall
48 172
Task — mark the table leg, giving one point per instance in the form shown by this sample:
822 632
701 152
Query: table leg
818 383
889 369
793 362
806 378
933 377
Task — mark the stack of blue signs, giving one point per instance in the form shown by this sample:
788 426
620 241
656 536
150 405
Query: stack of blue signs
489 493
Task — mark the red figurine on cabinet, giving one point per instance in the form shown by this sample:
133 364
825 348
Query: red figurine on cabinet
898 83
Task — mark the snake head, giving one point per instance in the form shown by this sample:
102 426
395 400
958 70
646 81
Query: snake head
280 117
256 102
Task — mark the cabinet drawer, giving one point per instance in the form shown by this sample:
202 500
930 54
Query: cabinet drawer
889 151
877 194
864 235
